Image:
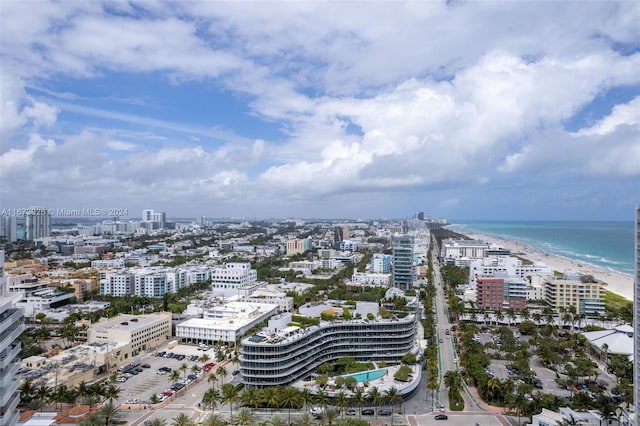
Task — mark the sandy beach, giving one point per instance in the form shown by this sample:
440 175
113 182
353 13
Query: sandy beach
617 283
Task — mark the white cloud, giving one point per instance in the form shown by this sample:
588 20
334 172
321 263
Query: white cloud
622 115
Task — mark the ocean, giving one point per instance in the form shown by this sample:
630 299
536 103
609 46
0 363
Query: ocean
607 245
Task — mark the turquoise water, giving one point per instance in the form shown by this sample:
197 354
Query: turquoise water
605 244
371 375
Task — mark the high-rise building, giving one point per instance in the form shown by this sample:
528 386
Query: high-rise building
11 327
402 269
37 223
8 228
636 321
157 219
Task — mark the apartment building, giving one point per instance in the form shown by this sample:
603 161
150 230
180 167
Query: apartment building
282 354
11 327
298 246
455 249
501 292
380 263
402 270
233 276
586 297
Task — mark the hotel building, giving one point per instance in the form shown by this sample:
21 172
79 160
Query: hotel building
587 298
11 327
501 292
283 354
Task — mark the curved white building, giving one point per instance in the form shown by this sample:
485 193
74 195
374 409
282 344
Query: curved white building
280 358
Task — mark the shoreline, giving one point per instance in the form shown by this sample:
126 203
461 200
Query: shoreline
617 282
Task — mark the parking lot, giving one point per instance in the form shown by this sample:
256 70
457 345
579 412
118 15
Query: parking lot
138 388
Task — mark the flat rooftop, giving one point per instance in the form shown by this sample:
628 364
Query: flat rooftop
127 322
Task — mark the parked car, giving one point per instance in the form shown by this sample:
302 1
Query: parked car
442 407
441 417
352 412
384 412
145 366
368 412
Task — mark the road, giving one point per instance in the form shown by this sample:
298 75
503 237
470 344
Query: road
446 348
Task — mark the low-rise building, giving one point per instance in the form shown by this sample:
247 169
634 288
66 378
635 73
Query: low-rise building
225 323
142 332
371 279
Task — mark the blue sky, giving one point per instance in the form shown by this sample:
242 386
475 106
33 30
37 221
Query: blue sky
467 110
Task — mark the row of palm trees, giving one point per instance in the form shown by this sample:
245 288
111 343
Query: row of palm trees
291 398
36 397
246 417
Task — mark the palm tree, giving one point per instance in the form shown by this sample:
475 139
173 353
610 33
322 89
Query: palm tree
195 369
174 376
342 400
153 399
222 372
359 399
43 393
392 396
182 419
329 416
60 394
244 417
270 397
211 398
290 398
108 412
204 358
307 398
375 397
277 420
453 380
158 421
322 399
213 377
112 392
183 368
214 420
251 397
96 390
229 396
306 419
571 421
27 391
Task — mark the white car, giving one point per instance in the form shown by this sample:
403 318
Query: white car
316 412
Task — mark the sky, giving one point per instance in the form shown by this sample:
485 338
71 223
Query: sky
467 110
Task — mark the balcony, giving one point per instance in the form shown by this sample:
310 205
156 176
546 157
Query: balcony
11 334
11 353
11 414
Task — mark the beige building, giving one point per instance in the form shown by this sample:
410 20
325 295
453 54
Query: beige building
586 297
142 332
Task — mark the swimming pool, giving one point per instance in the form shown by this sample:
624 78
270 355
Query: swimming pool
369 375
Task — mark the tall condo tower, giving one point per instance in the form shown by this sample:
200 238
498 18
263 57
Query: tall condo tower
402 270
636 321
11 327
37 223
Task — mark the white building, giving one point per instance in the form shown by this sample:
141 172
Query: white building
150 283
231 276
142 332
44 300
116 283
11 327
8 228
371 279
107 263
224 323
37 223
454 249
270 297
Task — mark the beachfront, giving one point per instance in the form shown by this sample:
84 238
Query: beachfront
617 282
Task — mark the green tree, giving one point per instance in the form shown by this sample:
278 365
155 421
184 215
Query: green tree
342 400
229 395
210 398
182 419
244 417
251 397
290 398
392 396
214 420
108 412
